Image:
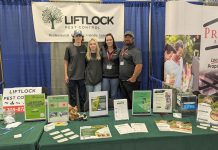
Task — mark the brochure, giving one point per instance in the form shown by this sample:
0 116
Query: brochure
207 109
121 109
94 132
58 110
139 127
124 128
35 108
98 103
141 103
173 125
162 100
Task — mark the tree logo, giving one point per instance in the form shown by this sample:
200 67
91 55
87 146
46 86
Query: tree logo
52 15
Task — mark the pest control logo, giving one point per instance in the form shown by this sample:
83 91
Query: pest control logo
52 15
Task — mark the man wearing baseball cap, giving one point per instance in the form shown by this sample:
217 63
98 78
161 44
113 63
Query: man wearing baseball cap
130 67
74 69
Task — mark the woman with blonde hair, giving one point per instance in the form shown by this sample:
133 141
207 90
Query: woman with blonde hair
93 71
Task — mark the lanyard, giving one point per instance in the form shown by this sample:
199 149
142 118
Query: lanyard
110 55
123 51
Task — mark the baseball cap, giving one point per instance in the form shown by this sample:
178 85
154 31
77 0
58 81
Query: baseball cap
77 32
129 33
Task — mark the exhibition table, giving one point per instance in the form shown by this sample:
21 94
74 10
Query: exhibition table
31 132
200 139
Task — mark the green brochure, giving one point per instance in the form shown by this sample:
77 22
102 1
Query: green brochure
141 104
35 108
58 110
1 108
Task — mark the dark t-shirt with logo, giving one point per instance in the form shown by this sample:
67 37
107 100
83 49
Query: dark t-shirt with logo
75 55
129 58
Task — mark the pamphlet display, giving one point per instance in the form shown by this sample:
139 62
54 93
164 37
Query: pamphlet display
98 103
35 108
207 109
58 110
186 103
173 125
141 103
162 100
94 132
1 109
121 109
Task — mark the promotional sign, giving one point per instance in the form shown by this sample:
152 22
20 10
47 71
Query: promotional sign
35 108
162 100
182 45
56 22
98 103
141 104
58 110
13 98
208 75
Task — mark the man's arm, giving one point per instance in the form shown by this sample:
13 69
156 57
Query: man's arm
66 79
137 71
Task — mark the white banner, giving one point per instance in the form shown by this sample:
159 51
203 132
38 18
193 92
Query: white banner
208 83
56 22
13 98
183 34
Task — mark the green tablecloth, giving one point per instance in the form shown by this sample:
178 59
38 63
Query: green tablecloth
28 141
153 140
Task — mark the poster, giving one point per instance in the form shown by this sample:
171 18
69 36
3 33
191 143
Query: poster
208 73
94 132
162 100
13 98
35 107
141 104
121 109
58 110
182 45
98 103
207 109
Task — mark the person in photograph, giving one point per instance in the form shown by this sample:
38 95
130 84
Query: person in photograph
74 69
173 68
93 71
169 50
130 67
110 58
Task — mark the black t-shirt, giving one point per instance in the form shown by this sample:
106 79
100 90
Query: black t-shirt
75 55
129 58
93 73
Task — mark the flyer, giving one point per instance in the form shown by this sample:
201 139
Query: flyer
94 132
58 110
162 100
121 109
141 103
98 103
207 109
175 126
35 108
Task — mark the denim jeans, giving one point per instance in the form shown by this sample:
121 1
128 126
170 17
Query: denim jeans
72 87
91 88
111 85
